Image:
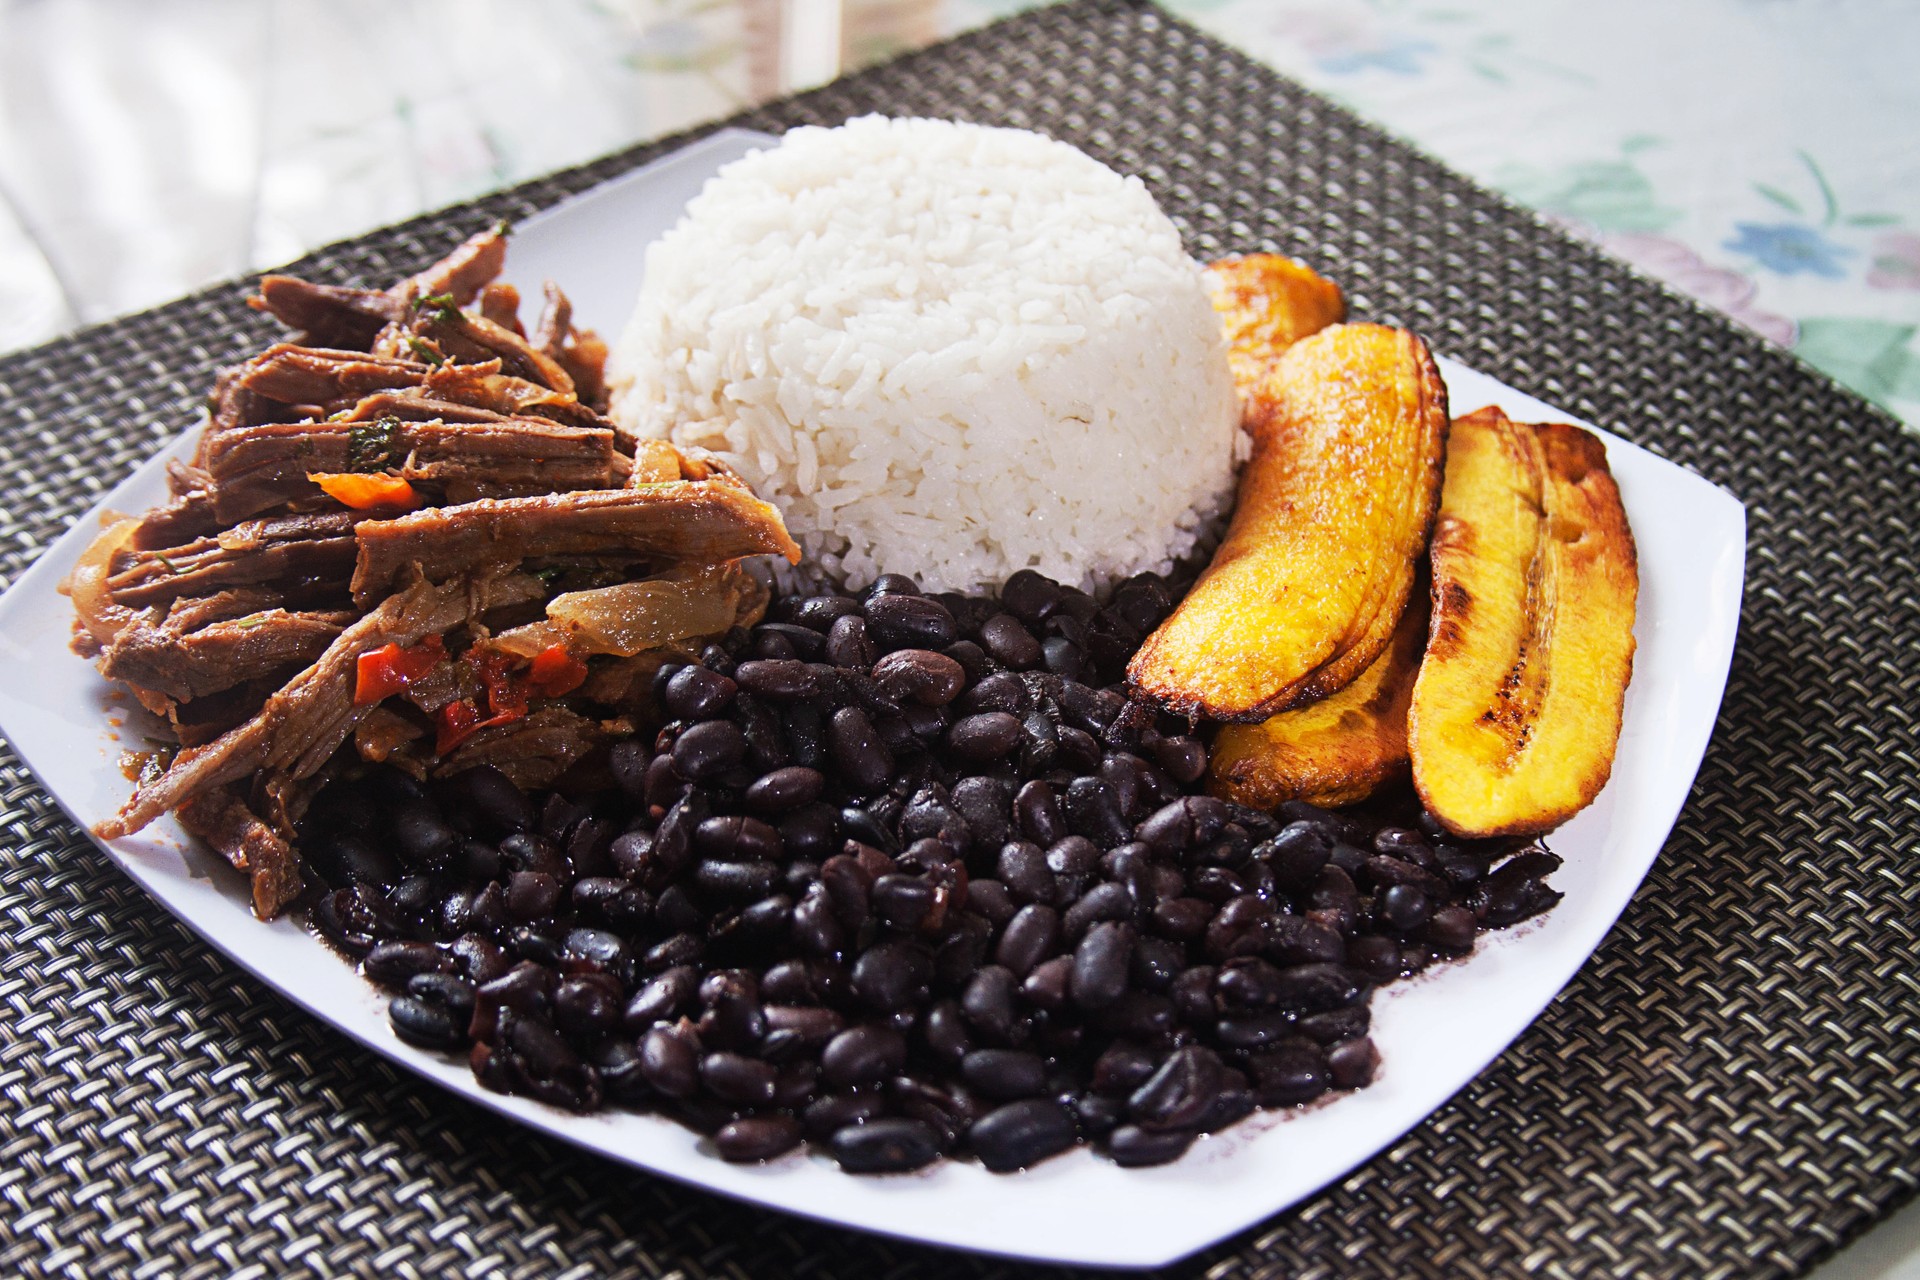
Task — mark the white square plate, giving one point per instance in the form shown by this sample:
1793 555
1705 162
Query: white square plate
1434 1035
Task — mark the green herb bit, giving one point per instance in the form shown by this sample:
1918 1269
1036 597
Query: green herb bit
428 353
374 446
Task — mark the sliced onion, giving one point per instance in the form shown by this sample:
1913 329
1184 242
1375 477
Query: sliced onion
533 639
636 616
87 583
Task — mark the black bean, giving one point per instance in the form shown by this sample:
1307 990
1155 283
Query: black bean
1121 1068
857 752
910 622
810 1024
1010 644
736 1078
821 612
1289 1074
1021 1134
587 1004
1022 867
988 1003
613 902
1248 983
928 678
421 835
849 647
428 1025
769 646
1179 1093
904 902
495 800
477 958
681 948
524 851
986 805
1303 940
784 790
1064 658
1133 1147
1037 813
1073 860
391 964
1253 1030
806 643
1335 1025
1050 985
1451 928
1106 901
665 995
816 929
1310 988
1005 1074
1100 965
1379 957
1405 907
779 679
1029 938
1182 919
345 859
1184 758
1001 691
1030 596
695 693
1349 858
810 832
886 1146
676 911
823 1117
889 976
1156 962
708 749
752 1139
1297 854
849 889
532 895
1351 1063
737 838
1234 1102
987 736
618 1062
992 900
536 945
892 584
354 919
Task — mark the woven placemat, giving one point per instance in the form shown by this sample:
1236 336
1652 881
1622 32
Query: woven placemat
1731 1087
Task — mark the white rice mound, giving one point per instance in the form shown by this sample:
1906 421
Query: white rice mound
942 350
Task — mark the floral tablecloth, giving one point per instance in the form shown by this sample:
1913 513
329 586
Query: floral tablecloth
1760 155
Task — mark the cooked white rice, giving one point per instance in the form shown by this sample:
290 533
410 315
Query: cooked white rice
942 350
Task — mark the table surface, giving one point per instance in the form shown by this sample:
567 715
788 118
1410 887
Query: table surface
1757 156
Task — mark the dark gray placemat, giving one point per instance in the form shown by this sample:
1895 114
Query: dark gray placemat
1731 1087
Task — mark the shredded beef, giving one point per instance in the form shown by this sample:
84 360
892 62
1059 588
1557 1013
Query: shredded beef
707 522
230 828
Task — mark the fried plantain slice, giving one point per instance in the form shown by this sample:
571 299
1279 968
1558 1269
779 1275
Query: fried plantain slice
1266 304
1516 712
1349 428
1335 751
